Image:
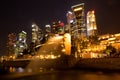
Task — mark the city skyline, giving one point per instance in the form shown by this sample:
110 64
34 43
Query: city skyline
18 15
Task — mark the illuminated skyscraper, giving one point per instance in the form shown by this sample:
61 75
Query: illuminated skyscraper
70 17
20 43
34 33
80 28
54 27
37 34
91 24
60 27
11 43
57 27
47 28
70 21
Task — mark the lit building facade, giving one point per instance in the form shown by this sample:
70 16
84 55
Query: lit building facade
37 34
20 43
80 28
47 28
10 43
58 27
70 21
91 24
54 27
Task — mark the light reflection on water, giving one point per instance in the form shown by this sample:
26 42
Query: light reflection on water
51 74
29 70
16 70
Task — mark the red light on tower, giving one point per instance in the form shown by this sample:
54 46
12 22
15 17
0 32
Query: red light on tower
61 24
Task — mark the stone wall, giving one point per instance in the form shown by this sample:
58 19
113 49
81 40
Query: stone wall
99 63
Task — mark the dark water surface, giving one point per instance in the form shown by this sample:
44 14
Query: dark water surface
51 74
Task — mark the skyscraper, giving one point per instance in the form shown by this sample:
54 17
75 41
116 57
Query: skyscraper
20 43
78 11
34 33
91 24
37 34
54 27
11 43
70 21
70 17
48 28
60 27
57 27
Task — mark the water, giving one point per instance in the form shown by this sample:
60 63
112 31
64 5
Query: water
52 74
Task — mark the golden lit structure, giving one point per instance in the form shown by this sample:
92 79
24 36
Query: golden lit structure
91 24
80 28
67 43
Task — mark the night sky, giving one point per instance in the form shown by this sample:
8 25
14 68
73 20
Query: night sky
18 15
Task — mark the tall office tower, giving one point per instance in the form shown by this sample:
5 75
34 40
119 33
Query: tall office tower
79 20
91 24
34 33
10 43
54 27
40 35
60 27
57 27
70 21
20 43
47 28
37 34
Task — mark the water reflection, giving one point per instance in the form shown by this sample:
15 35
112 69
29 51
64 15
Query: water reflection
29 70
20 69
52 74
12 69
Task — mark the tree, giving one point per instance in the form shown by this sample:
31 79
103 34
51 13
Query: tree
110 50
83 44
94 40
80 44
